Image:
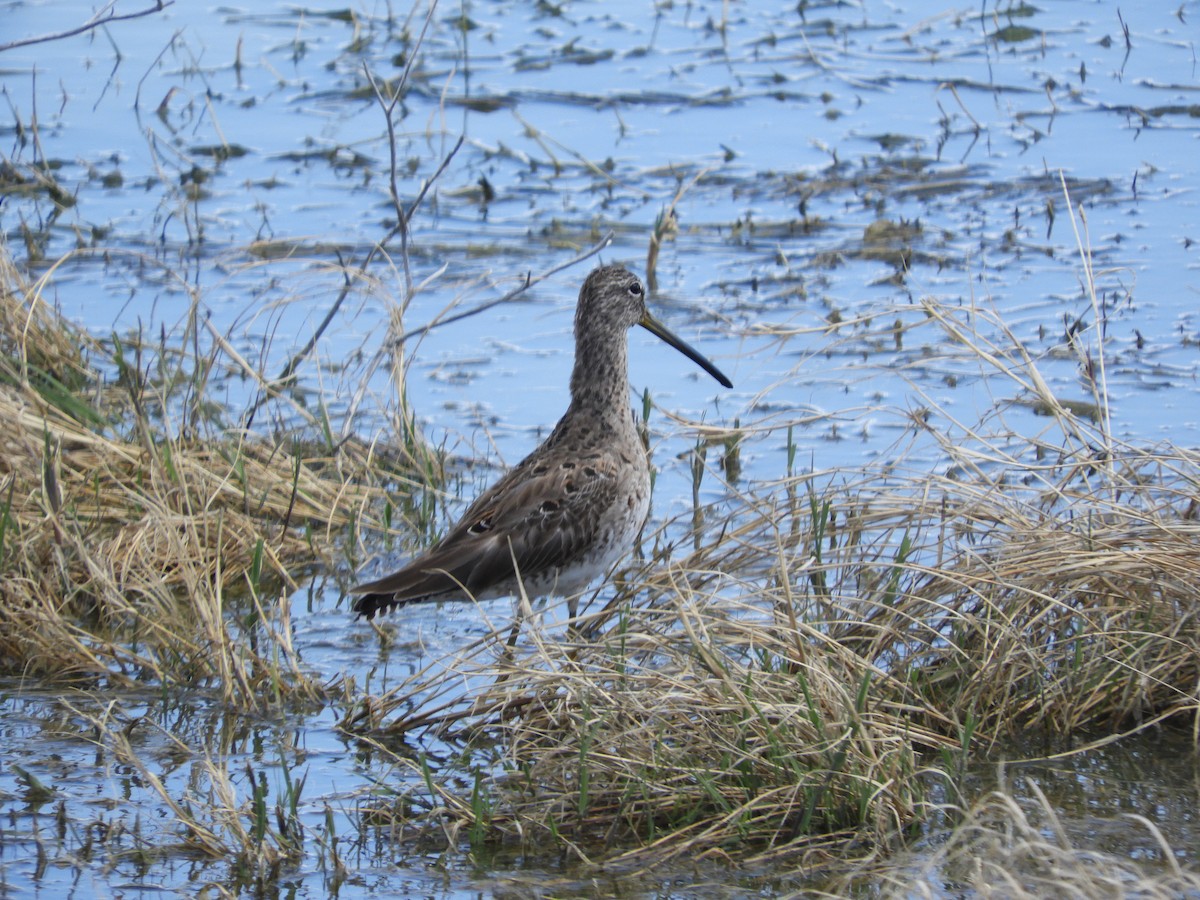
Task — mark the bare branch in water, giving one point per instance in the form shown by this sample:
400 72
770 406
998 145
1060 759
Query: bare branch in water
530 281
104 16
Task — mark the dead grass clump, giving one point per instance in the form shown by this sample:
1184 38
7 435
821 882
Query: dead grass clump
699 726
1004 847
995 607
1072 622
130 549
678 732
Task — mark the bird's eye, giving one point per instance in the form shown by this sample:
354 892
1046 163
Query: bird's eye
635 288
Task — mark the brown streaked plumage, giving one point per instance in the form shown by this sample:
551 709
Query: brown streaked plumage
572 507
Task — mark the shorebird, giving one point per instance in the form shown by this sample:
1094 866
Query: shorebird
575 505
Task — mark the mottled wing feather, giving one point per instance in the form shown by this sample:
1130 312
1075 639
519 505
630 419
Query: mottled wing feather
541 520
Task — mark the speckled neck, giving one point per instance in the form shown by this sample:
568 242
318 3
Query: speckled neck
600 379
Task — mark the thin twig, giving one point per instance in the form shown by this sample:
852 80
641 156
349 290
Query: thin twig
1100 384
103 17
285 377
530 281
389 107
401 227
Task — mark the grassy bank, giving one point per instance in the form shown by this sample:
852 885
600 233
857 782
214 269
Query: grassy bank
143 538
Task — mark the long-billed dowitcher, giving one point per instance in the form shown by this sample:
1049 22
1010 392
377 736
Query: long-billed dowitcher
575 505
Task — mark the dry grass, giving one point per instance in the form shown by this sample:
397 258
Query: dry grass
1004 608
690 727
1003 847
132 549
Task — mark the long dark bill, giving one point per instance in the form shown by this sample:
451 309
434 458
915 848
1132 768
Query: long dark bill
659 330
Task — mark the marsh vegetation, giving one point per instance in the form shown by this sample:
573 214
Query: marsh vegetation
823 669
